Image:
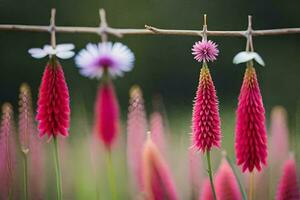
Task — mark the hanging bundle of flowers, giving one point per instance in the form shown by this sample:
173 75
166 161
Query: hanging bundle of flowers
105 61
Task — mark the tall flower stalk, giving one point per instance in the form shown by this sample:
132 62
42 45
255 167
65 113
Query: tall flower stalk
53 112
105 61
158 131
206 120
26 127
136 132
7 153
158 183
251 135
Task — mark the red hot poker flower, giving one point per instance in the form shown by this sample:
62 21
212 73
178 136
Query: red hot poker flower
226 184
157 179
26 119
251 136
288 188
206 193
107 114
206 119
7 152
53 113
136 132
279 140
158 131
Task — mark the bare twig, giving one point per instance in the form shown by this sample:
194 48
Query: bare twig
52 28
149 30
249 44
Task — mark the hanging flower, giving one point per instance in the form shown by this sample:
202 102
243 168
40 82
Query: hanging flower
7 152
107 114
157 179
206 120
136 132
95 59
53 113
205 51
288 188
63 51
251 136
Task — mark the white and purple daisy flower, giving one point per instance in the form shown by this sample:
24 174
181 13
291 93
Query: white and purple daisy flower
94 59
205 51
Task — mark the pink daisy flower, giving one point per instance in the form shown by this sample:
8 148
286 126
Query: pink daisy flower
115 58
205 51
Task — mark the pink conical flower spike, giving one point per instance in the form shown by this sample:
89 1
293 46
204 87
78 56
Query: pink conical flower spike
26 120
158 130
279 140
53 112
136 132
107 114
226 184
157 178
288 188
206 119
206 193
7 152
251 136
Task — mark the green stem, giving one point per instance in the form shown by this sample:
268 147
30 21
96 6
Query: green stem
57 169
111 176
25 176
251 187
209 170
242 190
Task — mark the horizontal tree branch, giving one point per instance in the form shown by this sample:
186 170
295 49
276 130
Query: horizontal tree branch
147 31
104 29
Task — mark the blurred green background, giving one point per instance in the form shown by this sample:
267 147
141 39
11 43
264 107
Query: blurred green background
164 64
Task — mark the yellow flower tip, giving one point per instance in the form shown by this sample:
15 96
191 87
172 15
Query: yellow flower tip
7 108
135 91
24 88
